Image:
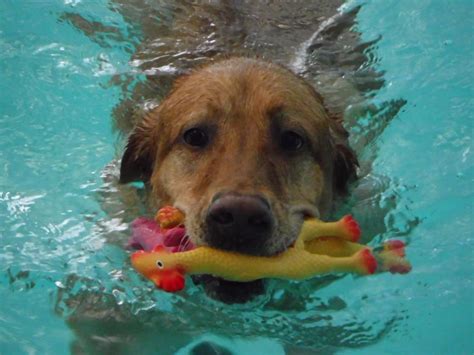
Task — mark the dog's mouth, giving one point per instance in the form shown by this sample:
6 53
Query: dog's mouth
241 292
229 291
233 292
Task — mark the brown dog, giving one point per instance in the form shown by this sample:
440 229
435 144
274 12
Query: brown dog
247 150
244 147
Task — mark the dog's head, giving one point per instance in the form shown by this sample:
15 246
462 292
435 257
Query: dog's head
247 150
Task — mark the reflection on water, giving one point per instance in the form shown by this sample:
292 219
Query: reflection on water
297 315
78 257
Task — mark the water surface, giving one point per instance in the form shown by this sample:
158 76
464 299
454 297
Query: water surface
65 281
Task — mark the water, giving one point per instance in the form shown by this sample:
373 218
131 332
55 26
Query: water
65 282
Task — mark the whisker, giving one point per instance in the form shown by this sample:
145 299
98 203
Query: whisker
184 243
180 245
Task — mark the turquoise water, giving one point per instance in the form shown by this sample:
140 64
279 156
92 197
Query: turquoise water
59 268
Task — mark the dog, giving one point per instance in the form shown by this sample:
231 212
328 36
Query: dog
273 151
247 150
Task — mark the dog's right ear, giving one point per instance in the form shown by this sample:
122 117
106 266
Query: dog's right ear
139 156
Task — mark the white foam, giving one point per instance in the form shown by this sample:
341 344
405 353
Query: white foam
298 64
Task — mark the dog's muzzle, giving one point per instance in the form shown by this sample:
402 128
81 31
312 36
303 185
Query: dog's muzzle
240 223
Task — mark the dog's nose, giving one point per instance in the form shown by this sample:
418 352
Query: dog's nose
241 223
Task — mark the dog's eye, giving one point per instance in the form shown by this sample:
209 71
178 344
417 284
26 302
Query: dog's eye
291 141
196 137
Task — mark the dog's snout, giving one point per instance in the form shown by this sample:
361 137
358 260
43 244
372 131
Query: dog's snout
240 223
248 213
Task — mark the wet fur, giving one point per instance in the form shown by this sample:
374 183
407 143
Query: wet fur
245 104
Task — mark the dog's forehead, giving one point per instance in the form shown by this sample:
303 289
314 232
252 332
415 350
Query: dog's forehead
245 89
251 98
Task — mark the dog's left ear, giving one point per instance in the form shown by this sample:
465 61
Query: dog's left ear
139 157
345 160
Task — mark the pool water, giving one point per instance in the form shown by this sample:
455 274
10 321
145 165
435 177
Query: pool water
65 281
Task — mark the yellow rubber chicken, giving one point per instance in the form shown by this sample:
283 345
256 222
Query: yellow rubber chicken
321 248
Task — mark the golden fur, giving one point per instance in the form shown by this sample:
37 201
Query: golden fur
245 104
